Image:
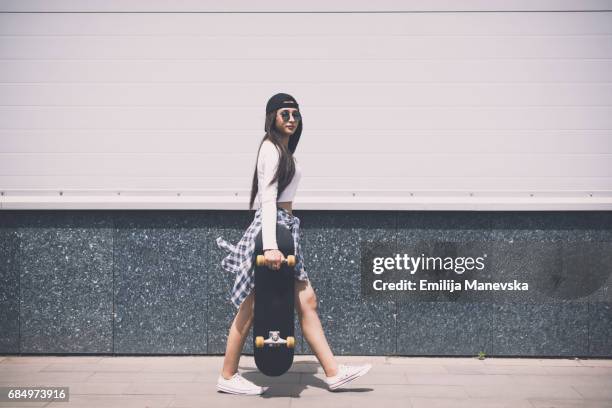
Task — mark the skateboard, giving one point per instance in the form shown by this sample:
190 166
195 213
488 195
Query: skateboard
273 327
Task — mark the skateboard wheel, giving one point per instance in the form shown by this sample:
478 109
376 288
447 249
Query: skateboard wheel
261 260
290 342
291 260
259 341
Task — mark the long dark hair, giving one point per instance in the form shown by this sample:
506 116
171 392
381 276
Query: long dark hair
286 165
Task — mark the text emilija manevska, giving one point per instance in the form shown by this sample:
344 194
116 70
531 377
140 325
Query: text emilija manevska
458 264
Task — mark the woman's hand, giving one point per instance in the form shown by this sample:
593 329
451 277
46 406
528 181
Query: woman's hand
273 257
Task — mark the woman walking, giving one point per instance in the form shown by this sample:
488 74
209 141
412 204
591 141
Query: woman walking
275 182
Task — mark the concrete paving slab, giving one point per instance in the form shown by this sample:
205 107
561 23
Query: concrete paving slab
513 391
557 403
561 380
9 368
600 392
534 369
22 404
115 401
586 371
454 379
469 403
596 363
44 378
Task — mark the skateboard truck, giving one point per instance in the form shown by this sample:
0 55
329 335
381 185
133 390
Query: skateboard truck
274 340
290 260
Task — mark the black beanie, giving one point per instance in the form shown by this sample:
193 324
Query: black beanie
283 100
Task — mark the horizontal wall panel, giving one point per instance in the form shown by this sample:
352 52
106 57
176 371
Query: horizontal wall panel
353 95
372 118
241 185
275 6
341 141
318 165
329 76
263 24
305 47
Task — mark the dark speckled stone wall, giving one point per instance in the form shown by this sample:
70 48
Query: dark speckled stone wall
147 282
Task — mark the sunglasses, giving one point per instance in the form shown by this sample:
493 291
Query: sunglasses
286 114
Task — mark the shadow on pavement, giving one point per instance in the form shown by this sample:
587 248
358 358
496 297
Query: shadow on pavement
292 383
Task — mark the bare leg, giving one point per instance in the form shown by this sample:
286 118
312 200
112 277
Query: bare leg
306 305
237 336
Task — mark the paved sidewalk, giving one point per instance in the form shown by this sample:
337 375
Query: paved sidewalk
125 382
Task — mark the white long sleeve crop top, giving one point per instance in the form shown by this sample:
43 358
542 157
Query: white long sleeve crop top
267 164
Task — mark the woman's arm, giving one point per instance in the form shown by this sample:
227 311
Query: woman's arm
267 164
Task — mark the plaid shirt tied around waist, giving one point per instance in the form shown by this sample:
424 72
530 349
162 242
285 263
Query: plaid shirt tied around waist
240 258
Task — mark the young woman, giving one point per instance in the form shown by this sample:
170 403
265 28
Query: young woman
275 182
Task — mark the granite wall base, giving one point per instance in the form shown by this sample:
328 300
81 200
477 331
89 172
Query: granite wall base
150 282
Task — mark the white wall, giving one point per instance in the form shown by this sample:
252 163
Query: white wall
463 105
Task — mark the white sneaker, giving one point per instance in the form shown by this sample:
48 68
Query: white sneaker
239 385
346 374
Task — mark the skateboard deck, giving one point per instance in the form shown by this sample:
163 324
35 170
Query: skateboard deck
273 326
